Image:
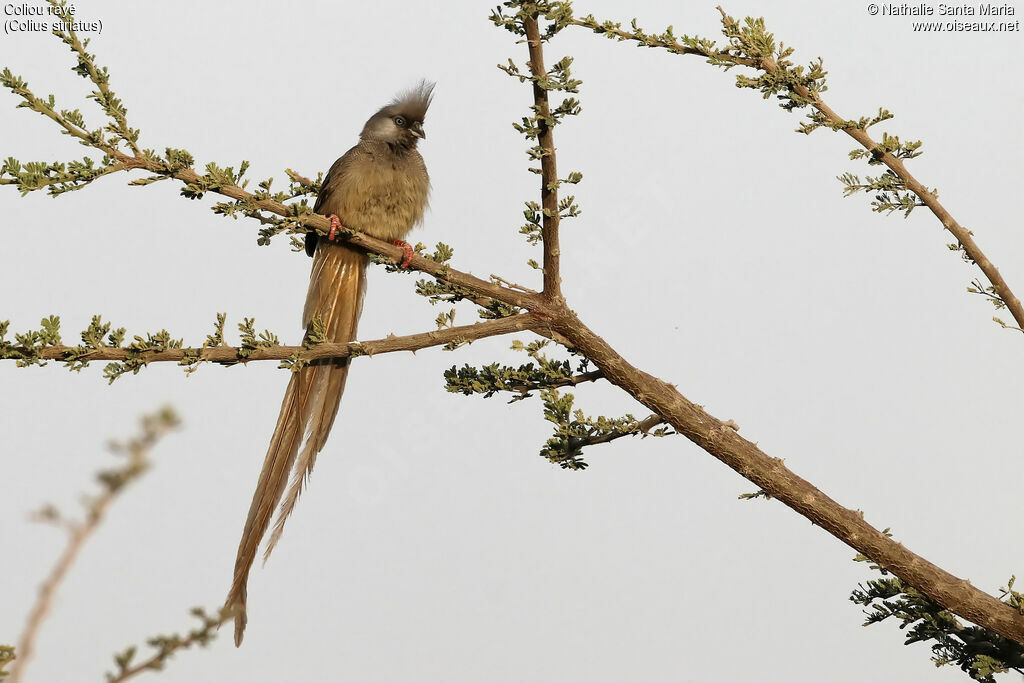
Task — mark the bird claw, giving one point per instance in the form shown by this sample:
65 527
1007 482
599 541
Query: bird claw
335 227
406 250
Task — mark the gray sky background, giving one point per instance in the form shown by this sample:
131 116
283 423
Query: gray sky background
715 251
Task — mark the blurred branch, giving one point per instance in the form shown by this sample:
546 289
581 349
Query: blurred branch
113 481
6 657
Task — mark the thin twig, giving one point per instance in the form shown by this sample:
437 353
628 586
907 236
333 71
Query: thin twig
234 354
642 427
102 84
298 178
525 387
511 285
167 647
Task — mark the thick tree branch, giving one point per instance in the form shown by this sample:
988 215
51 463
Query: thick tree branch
548 166
721 440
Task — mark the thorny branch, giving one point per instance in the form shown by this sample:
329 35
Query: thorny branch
721 439
803 95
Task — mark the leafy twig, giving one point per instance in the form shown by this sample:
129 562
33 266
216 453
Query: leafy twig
99 343
978 652
166 646
575 431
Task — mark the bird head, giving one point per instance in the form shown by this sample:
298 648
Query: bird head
400 123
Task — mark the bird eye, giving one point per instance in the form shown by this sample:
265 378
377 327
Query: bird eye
400 122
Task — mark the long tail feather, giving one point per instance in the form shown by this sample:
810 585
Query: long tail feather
284 446
310 405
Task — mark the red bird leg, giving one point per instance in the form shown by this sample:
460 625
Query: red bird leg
335 226
406 250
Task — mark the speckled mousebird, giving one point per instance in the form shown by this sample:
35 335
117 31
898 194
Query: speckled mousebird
379 187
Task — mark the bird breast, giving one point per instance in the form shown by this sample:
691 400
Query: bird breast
382 193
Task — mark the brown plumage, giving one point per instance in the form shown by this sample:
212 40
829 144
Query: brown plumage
379 187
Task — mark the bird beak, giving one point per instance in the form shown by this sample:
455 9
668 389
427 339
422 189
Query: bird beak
417 129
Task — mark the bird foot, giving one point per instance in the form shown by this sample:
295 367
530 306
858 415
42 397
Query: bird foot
406 250
335 226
